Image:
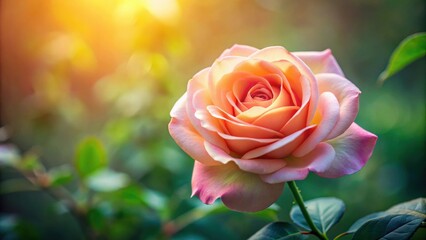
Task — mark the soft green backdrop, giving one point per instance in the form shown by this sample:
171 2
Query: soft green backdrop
113 70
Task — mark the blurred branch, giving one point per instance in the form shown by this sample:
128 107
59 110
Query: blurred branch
16 185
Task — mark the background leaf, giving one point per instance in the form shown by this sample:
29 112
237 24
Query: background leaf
30 162
107 180
398 227
60 175
325 212
278 230
410 49
90 156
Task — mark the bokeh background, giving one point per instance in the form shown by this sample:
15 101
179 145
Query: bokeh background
111 70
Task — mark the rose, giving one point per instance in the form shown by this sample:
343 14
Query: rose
258 118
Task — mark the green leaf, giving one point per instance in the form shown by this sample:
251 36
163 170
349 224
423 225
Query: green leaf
365 219
30 162
416 207
278 231
60 175
325 212
90 156
410 49
106 180
398 227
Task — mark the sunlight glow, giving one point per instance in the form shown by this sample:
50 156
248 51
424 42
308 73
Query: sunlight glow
165 10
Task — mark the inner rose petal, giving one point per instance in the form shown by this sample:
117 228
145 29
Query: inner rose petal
239 128
254 91
259 92
227 84
275 77
258 95
241 87
241 145
293 78
301 118
276 118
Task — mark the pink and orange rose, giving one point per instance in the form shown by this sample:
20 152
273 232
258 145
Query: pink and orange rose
258 118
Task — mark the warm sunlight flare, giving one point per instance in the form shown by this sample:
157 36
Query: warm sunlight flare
165 10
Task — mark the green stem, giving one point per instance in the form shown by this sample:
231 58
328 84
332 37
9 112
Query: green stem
299 200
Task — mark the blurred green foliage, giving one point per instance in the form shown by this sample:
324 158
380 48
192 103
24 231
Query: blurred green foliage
96 80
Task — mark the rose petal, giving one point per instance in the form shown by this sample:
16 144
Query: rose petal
276 54
284 145
238 128
298 168
239 50
252 114
227 84
320 158
291 81
328 114
240 191
205 125
219 69
241 145
276 118
353 149
348 96
322 152
300 119
320 62
186 136
258 166
198 98
285 174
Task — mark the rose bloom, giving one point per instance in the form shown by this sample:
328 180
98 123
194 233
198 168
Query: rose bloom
258 118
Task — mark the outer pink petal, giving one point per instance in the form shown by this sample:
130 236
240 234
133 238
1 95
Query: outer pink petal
329 111
353 149
286 174
240 191
298 168
348 96
320 158
320 62
198 98
239 50
258 166
186 136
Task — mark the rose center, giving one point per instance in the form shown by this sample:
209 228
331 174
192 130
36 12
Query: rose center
260 93
260 96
